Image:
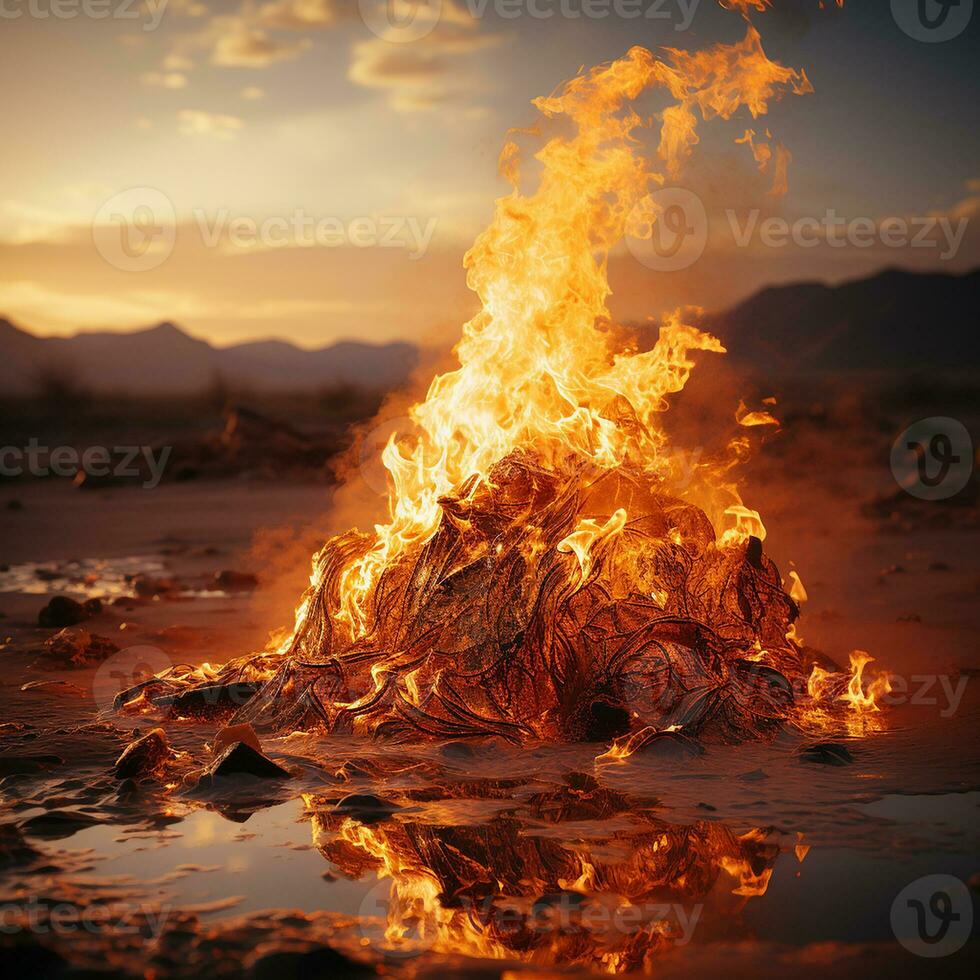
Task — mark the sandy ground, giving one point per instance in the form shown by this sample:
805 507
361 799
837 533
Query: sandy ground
906 596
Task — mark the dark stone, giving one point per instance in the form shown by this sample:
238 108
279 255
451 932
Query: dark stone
366 808
14 848
753 776
16 765
457 750
606 721
313 964
26 958
240 759
143 756
753 552
210 699
826 754
232 581
62 611
56 824
670 745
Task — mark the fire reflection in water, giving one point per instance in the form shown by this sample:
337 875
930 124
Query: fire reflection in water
608 896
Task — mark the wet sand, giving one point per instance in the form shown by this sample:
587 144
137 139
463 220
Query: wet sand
746 860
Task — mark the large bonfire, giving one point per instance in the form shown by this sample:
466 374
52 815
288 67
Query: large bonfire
543 573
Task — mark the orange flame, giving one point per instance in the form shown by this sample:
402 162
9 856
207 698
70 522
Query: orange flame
536 366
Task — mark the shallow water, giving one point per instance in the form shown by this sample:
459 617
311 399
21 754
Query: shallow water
746 843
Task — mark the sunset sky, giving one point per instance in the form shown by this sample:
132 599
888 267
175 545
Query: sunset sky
296 110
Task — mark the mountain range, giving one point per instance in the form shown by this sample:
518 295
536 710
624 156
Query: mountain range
165 360
892 321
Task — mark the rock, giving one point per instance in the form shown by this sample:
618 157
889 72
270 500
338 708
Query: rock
826 754
143 756
148 587
670 745
76 647
14 848
457 750
16 765
236 733
26 957
240 759
232 581
56 824
605 720
62 611
366 807
753 776
322 961
210 699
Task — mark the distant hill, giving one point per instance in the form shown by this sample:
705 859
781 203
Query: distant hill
893 321
165 360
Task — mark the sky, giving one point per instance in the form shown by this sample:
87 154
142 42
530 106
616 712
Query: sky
315 169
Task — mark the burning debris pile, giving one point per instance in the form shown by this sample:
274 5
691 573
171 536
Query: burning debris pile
544 573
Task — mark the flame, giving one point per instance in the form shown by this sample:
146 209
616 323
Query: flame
537 365
493 890
856 696
544 570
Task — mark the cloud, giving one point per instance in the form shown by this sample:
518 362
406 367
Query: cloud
196 122
429 71
250 47
177 62
303 15
252 92
171 80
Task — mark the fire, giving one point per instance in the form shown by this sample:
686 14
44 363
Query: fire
537 366
496 891
544 571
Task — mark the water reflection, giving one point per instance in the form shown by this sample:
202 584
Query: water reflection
573 875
